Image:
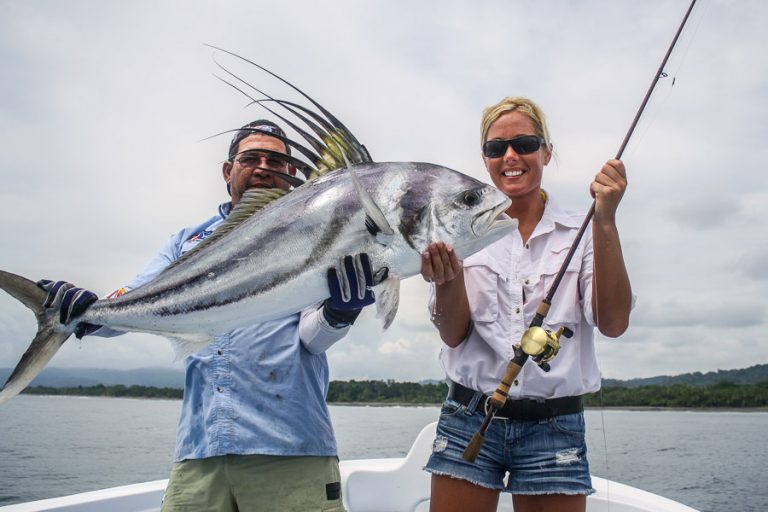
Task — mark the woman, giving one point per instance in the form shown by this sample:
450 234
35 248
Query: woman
483 305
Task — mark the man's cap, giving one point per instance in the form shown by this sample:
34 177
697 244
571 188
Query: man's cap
256 127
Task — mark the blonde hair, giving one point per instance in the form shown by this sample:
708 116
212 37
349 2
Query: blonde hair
515 104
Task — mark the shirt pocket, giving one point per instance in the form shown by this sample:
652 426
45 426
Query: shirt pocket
482 280
565 309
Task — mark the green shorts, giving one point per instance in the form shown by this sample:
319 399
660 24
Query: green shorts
254 483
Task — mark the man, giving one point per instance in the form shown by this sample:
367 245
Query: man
254 432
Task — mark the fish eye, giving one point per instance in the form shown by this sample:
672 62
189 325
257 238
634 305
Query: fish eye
471 198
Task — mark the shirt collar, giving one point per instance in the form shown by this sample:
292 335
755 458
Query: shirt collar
225 209
552 215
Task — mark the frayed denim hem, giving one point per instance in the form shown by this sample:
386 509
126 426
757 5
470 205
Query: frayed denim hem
568 492
479 484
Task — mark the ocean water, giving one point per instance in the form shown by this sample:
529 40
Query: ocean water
53 446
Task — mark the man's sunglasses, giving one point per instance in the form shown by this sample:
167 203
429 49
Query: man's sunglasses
523 145
253 159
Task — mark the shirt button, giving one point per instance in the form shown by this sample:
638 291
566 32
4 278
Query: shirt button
516 383
219 352
219 389
517 310
527 281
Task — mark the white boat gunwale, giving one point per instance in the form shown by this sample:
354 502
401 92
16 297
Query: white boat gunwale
368 485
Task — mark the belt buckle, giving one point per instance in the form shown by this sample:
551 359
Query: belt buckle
486 405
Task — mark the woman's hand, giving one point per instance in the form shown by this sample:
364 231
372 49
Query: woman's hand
440 264
608 189
450 312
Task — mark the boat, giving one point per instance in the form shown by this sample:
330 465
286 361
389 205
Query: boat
368 485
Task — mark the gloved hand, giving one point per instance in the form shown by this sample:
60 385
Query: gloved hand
70 301
350 287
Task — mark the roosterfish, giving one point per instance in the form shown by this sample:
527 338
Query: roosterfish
270 257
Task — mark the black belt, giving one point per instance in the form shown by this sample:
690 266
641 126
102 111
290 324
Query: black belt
523 409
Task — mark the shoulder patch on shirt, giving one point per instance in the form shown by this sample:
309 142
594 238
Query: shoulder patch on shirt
115 294
200 236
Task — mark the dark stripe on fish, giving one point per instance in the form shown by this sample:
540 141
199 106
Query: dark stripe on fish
329 237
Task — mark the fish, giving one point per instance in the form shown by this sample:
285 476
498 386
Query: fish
270 258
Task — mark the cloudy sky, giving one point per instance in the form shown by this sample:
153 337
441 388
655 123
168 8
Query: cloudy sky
104 107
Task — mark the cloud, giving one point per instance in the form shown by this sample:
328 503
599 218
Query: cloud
102 155
647 352
706 213
695 311
754 265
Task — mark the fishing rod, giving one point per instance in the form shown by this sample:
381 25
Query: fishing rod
536 341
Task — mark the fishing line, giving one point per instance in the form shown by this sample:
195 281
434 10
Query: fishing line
540 343
599 356
670 77
601 407
645 127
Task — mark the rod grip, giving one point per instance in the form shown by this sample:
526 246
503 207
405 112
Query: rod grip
499 397
473 448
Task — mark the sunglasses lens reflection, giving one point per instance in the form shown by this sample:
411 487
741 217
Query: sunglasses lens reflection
526 145
521 145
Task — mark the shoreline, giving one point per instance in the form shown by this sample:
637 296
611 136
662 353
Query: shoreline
587 408
639 408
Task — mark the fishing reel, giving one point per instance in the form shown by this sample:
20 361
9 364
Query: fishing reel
543 345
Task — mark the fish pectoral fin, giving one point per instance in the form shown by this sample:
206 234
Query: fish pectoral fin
388 300
381 237
375 221
185 344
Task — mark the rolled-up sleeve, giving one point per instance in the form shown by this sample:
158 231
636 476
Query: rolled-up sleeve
315 333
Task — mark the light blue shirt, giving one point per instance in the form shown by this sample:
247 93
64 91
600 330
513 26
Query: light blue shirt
256 389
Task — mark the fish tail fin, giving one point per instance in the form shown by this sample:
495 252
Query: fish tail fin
50 336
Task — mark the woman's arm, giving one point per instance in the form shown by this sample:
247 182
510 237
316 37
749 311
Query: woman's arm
611 289
450 314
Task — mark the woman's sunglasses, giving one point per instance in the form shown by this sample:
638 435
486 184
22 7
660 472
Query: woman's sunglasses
523 145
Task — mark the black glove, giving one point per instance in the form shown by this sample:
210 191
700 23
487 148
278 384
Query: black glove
350 287
70 301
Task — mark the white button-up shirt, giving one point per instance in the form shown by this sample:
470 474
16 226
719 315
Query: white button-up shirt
505 284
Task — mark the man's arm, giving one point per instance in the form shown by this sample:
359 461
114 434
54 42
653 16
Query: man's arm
72 301
316 334
349 286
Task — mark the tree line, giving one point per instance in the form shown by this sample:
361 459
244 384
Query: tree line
115 391
723 394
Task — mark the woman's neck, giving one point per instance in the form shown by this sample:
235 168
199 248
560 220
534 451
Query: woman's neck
528 212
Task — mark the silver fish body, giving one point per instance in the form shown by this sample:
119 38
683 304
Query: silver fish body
275 262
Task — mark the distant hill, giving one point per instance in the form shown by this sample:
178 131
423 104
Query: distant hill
172 378
73 377
752 375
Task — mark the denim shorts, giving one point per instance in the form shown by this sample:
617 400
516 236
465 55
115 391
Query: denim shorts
539 457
